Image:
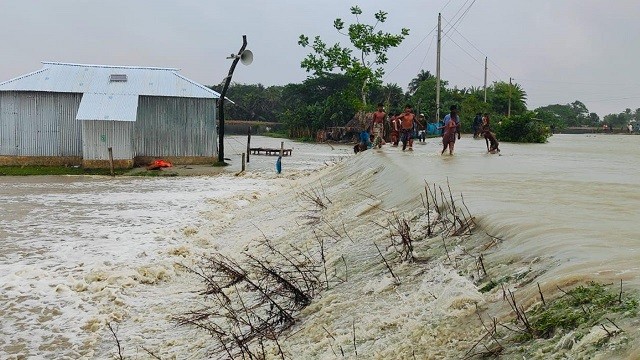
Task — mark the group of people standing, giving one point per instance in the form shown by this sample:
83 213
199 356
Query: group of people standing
404 127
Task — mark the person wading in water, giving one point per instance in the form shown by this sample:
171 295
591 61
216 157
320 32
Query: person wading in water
407 119
451 127
377 127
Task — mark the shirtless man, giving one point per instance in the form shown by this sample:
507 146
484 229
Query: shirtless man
490 138
377 127
407 119
451 128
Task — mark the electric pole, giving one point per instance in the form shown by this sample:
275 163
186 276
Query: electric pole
438 71
485 79
509 109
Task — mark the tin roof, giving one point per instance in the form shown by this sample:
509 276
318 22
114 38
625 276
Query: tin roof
99 79
108 107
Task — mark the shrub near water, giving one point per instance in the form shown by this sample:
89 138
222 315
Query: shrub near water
583 306
522 128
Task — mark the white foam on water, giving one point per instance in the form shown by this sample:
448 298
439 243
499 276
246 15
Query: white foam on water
81 252
83 256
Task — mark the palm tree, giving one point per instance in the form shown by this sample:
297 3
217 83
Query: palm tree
415 82
501 91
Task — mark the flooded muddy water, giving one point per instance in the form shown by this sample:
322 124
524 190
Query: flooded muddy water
77 252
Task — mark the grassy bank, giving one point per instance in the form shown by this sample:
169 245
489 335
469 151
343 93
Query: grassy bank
70 170
54 170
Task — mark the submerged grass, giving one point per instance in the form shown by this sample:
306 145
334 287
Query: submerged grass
584 306
492 284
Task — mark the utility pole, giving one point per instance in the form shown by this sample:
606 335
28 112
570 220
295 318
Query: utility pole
509 110
223 95
438 70
485 79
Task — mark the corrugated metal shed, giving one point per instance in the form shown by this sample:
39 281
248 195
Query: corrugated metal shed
39 124
108 107
141 112
96 79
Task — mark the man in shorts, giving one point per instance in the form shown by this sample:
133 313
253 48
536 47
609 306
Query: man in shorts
407 120
377 126
451 128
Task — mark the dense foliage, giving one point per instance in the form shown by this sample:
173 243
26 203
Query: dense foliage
562 116
616 121
362 61
344 77
524 128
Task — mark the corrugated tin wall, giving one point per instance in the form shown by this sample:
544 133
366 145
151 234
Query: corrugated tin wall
172 126
98 136
39 124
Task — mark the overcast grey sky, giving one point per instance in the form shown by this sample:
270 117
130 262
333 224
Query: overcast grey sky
558 50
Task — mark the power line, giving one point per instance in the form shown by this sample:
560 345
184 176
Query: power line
475 47
461 7
464 14
445 5
461 16
578 83
613 99
461 69
410 52
427 53
498 67
467 40
465 51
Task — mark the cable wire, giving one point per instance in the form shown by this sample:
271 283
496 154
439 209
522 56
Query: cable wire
410 52
427 53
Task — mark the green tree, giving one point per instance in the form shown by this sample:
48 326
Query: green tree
363 61
616 121
525 128
253 102
391 95
550 118
425 97
416 81
469 107
581 113
498 96
562 116
317 103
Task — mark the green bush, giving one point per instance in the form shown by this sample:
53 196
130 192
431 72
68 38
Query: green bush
585 304
523 128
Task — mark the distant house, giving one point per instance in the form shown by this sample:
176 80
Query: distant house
70 114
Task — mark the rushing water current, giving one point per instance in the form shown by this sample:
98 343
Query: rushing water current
69 245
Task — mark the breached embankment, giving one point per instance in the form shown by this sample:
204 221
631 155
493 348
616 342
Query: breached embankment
379 306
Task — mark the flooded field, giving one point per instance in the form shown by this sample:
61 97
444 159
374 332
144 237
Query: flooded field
79 252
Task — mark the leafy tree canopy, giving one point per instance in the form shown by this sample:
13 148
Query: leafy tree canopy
499 95
524 128
573 114
363 60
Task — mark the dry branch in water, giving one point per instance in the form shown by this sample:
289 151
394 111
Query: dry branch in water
387 264
314 197
113 332
400 227
248 304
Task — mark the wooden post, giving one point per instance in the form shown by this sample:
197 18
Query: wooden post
248 144
282 148
111 161
243 159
